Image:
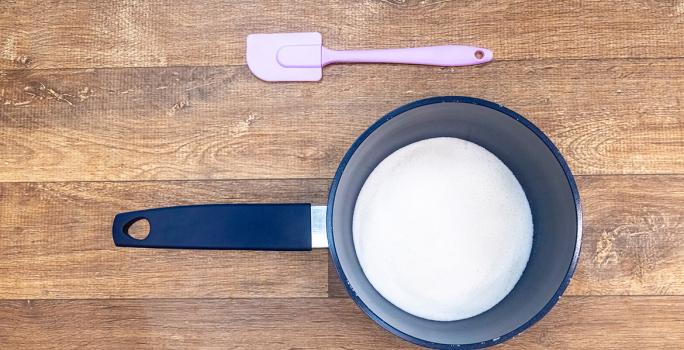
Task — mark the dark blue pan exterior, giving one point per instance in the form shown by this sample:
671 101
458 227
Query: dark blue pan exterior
565 245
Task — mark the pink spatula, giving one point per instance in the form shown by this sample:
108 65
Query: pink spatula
302 56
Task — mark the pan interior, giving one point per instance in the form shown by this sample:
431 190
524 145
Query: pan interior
547 189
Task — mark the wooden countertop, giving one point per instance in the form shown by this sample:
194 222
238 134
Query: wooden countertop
135 104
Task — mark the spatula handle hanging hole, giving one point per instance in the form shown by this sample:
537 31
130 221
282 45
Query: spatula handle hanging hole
479 54
138 228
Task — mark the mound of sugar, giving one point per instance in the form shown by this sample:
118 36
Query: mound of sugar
442 229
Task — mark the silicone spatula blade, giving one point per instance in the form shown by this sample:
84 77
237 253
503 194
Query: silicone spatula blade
302 56
262 56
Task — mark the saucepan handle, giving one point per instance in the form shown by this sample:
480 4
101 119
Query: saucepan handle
220 226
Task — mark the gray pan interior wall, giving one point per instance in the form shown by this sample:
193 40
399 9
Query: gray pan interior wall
555 213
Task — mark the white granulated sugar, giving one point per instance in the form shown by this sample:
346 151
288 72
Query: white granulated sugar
442 229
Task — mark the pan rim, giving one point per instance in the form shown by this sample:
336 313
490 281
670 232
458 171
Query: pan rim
469 100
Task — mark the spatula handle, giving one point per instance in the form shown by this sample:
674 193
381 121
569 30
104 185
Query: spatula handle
447 55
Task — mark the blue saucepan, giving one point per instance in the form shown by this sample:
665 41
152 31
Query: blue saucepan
535 161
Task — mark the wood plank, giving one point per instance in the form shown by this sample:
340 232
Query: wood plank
607 117
56 243
633 241
634 236
77 34
575 323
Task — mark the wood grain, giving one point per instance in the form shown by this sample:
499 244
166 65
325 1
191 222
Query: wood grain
607 117
634 236
79 34
115 106
575 323
56 243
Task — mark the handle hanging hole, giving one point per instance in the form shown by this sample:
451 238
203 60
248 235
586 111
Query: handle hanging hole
479 54
138 229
